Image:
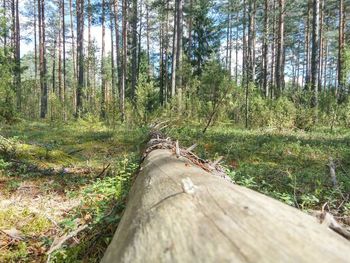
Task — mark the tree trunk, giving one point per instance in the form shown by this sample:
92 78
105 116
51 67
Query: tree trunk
161 62
35 3
190 26
279 71
166 51
341 49
179 52
321 46
307 43
53 75
273 52
60 84
245 67
18 61
266 48
251 42
148 39
174 55
42 64
73 39
228 29
325 71
112 27
315 52
134 50
117 45
124 62
89 57
103 69
178 212
80 56
236 48
64 61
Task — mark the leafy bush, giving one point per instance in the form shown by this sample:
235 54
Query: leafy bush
259 112
7 96
146 98
304 119
284 113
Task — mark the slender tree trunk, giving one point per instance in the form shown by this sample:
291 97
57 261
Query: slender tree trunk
112 27
245 81
80 56
43 69
341 49
73 39
298 66
325 72
230 44
321 45
179 53
174 55
18 59
53 80
190 26
148 40
60 84
134 49
273 52
307 42
228 18
117 46
161 62
124 61
280 49
251 42
236 49
4 14
64 58
139 40
89 57
265 48
166 51
103 70
35 40
315 52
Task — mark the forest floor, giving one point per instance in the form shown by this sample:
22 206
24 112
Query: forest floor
55 179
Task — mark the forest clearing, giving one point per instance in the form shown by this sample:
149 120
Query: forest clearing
60 177
98 99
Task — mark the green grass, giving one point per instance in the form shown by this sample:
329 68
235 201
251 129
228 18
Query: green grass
289 166
55 170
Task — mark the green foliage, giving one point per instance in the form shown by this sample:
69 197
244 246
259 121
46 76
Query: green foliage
287 166
7 95
284 113
146 98
74 156
206 35
4 165
259 111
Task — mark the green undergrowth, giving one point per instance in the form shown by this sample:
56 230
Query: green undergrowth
290 166
65 176
55 178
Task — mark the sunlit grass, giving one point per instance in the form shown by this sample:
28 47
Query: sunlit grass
61 164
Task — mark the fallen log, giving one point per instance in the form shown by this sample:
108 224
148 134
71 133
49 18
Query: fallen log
179 212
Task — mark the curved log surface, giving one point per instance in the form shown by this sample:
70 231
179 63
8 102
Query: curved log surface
177 212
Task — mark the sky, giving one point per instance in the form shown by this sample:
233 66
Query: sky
96 33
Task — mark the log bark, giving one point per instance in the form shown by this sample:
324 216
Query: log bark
179 212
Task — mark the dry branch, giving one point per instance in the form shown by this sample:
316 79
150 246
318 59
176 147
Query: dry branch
58 242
